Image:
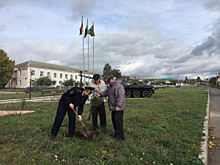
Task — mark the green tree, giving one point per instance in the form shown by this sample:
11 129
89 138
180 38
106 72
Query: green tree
212 81
68 82
107 71
6 68
43 81
198 79
116 73
54 82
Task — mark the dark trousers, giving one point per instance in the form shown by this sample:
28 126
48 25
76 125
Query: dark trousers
101 111
61 112
117 120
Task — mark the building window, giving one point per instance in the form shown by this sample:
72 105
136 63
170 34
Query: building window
41 73
55 75
20 82
61 75
15 73
71 76
48 74
32 72
75 77
65 75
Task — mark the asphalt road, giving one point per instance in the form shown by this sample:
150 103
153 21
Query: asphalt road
214 127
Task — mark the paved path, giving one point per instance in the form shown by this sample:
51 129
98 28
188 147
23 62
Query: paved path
214 127
35 99
3 113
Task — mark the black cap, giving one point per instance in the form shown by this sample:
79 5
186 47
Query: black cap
89 89
109 78
96 77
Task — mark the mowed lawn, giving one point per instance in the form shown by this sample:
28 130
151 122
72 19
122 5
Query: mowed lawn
163 130
26 95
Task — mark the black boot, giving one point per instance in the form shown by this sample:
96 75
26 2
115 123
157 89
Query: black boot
53 137
113 135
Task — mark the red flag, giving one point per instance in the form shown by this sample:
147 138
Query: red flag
81 28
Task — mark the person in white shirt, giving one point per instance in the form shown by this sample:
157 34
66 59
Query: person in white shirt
99 86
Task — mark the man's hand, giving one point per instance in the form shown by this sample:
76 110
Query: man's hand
79 118
117 108
97 95
71 106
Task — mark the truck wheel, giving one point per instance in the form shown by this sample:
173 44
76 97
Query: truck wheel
136 94
145 93
128 94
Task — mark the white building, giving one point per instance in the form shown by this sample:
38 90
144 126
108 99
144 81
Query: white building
33 70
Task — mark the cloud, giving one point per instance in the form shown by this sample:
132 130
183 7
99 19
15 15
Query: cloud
213 5
81 8
4 3
2 26
207 45
212 44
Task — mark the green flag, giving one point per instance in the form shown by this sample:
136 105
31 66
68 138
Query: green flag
91 31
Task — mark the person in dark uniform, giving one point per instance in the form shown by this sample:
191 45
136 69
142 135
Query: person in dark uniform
75 97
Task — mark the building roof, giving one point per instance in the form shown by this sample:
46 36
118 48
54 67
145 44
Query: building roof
49 66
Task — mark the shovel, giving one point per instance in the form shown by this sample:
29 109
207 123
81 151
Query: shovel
89 137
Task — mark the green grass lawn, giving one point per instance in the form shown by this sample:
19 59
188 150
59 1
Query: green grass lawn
18 95
165 129
12 90
26 95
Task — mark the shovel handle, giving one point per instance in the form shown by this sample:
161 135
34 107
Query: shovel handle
78 117
81 122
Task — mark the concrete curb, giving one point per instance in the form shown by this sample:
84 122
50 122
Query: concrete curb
204 144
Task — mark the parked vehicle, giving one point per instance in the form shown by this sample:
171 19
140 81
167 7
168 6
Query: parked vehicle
33 89
137 90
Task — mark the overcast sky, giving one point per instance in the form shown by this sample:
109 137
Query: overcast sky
142 38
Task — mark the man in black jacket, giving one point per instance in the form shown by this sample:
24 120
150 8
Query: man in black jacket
75 97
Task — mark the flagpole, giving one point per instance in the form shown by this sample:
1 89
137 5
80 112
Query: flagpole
88 54
93 49
83 58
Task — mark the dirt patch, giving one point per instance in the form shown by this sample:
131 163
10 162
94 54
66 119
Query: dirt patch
3 113
152 119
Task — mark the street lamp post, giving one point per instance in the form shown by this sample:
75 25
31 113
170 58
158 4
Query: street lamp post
30 85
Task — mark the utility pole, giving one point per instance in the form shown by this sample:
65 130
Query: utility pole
30 85
80 74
